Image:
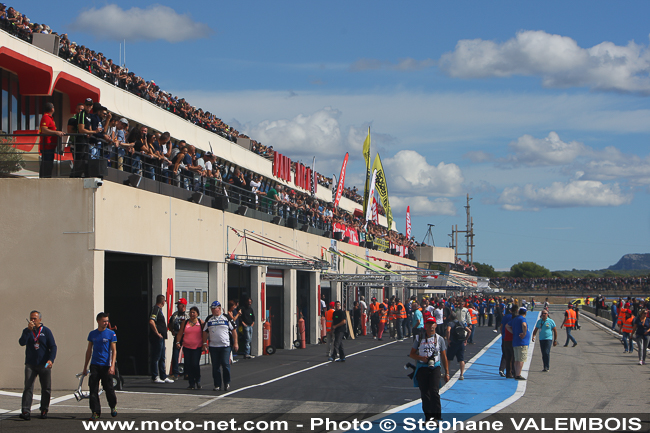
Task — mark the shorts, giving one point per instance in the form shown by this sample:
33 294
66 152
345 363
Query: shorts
521 353
457 350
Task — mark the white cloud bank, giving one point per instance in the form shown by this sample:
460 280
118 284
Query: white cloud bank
404 65
410 173
576 193
421 206
531 151
557 59
135 24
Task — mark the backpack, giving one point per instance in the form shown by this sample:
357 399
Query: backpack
458 333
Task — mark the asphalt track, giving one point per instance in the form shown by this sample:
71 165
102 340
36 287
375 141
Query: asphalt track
585 379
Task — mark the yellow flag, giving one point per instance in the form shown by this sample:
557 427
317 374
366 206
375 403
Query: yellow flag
366 156
382 189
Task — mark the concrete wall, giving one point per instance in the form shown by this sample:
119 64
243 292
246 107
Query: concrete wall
55 235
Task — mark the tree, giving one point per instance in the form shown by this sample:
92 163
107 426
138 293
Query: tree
529 270
11 159
485 270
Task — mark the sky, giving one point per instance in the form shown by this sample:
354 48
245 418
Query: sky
540 111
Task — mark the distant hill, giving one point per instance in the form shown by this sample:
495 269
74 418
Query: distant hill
632 262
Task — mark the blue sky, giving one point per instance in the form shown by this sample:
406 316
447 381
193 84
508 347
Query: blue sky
539 111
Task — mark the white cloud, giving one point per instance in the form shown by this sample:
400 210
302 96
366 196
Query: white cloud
135 24
575 193
612 164
557 59
407 64
422 206
531 151
409 172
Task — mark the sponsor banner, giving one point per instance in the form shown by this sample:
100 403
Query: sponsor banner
341 184
348 232
382 190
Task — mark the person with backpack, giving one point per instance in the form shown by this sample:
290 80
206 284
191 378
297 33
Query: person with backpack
429 350
457 334
190 339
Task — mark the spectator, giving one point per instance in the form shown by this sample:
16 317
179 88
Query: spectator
174 326
50 141
190 339
218 331
247 323
157 337
520 340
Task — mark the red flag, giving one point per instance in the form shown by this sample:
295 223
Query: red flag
408 222
341 185
276 165
375 212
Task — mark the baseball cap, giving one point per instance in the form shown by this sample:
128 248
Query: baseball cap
523 309
182 301
374 299
123 120
332 304
429 319
627 305
89 101
215 304
570 304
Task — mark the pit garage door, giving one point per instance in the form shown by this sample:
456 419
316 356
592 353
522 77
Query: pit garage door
192 284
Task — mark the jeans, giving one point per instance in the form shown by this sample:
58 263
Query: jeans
176 351
471 336
614 320
338 343
643 346
330 343
490 317
429 382
248 337
47 164
629 347
374 324
545 346
45 379
97 373
569 336
158 358
191 361
220 357
136 164
398 326
509 358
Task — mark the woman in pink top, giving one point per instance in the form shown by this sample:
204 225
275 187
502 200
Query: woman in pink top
190 338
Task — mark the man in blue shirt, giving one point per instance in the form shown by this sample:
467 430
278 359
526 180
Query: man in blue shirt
102 346
417 320
520 341
614 314
40 351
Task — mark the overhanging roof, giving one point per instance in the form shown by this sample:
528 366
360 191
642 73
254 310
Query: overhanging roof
34 77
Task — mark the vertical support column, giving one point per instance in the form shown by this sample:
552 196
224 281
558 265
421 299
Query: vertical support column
290 307
217 283
258 277
163 268
98 281
314 308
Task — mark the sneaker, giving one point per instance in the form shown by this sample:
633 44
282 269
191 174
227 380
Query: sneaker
168 380
340 360
26 416
494 330
216 388
640 362
566 345
502 373
330 359
113 412
520 378
190 387
249 357
44 414
197 386
226 387
574 344
461 377
157 380
544 370
94 416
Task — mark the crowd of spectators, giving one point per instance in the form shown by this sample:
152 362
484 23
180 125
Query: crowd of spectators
97 64
599 284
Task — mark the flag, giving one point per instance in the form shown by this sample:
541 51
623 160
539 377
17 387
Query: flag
408 222
366 157
375 212
382 189
341 185
371 193
314 178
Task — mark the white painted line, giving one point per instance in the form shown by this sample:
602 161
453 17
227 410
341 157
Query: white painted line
121 408
17 394
52 402
287 375
176 394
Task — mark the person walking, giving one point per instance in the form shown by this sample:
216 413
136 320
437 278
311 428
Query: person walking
49 142
614 316
430 352
417 320
338 328
157 337
626 328
175 322
473 313
328 326
383 318
569 323
520 340
373 313
190 339
247 323
220 338
457 334
40 352
640 333
101 353
547 337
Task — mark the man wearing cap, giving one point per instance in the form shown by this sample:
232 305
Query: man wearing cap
220 337
430 352
569 323
520 341
120 142
174 325
157 337
82 123
374 317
